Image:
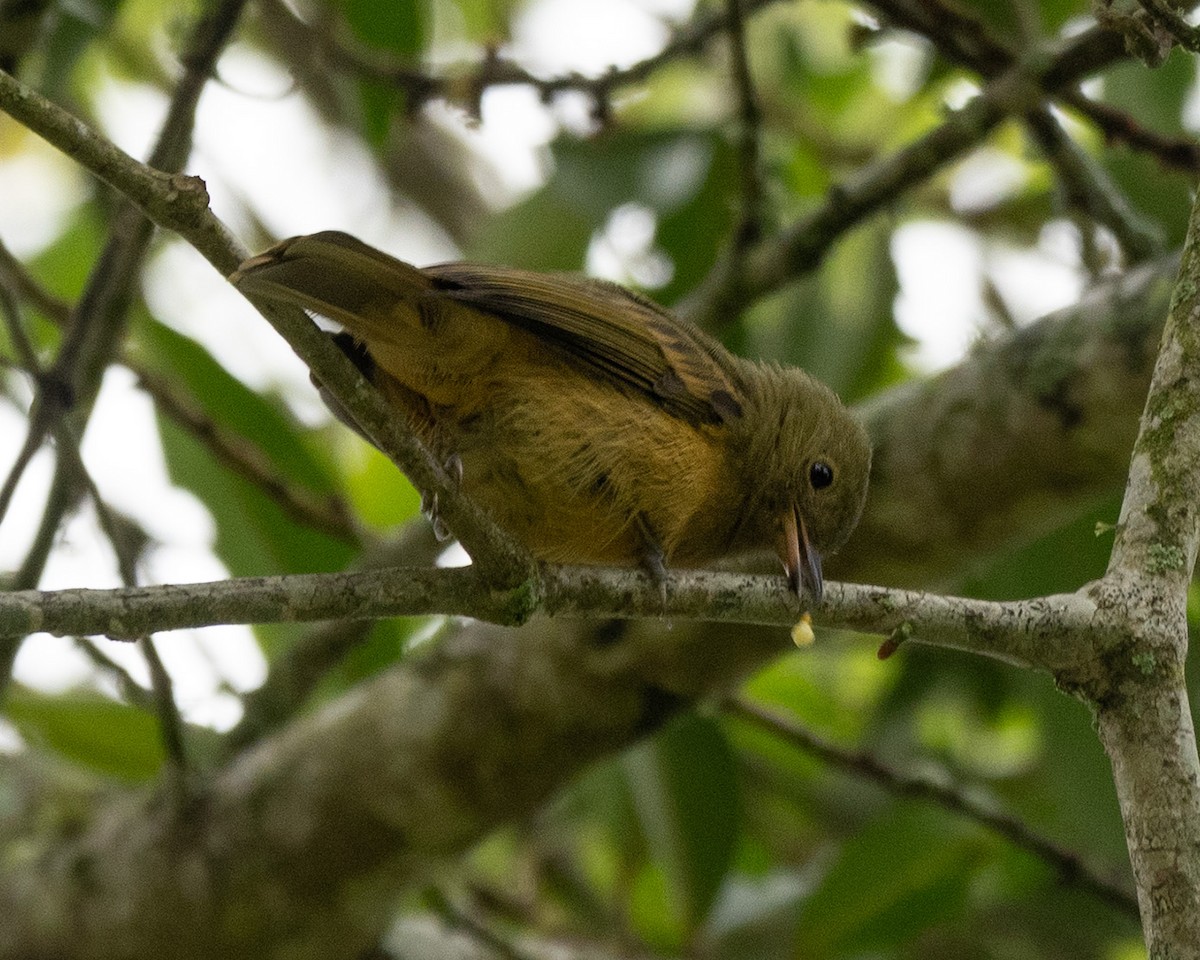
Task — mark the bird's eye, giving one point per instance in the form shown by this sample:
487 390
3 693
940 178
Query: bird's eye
820 475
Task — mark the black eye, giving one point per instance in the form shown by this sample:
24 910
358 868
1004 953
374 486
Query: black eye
820 475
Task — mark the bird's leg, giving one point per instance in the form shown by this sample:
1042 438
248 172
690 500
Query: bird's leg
453 465
654 559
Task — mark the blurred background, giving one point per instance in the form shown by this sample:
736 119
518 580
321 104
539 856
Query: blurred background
604 136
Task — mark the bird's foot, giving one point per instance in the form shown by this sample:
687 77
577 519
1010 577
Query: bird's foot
429 502
654 559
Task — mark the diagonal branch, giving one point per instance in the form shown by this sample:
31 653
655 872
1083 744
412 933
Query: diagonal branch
775 261
155 195
1067 864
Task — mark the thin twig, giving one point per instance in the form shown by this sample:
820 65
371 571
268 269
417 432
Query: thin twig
46 408
1169 20
1119 127
25 287
1069 866
330 514
128 687
493 71
170 723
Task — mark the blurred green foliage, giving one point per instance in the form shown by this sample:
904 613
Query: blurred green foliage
713 839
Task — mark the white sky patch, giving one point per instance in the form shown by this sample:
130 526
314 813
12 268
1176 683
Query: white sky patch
39 188
515 131
130 115
940 266
587 36
899 64
985 179
1040 281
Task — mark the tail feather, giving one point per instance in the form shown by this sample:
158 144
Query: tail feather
337 276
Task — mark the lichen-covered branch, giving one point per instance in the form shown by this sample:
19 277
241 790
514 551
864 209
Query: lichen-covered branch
1021 632
1136 683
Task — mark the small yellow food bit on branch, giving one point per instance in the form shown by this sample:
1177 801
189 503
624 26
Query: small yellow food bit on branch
802 632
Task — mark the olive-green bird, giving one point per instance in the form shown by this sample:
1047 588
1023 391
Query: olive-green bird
592 424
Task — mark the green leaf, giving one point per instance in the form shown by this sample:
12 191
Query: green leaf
266 423
757 917
90 729
73 27
685 791
254 534
380 493
907 872
399 27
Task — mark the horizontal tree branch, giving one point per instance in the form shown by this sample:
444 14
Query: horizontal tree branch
1023 632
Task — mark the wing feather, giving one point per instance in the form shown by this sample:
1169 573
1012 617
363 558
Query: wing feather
624 337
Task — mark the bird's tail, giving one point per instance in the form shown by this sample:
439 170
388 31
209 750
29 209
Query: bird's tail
339 277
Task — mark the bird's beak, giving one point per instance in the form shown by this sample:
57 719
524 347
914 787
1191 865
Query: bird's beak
801 561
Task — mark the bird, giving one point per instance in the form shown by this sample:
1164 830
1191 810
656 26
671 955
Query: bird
592 424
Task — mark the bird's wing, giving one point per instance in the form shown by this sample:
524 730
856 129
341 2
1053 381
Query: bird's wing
620 336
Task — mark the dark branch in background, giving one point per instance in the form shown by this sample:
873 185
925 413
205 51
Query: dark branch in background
330 513
1118 127
467 88
127 687
749 228
967 41
170 724
1069 866
800 247
1088 189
